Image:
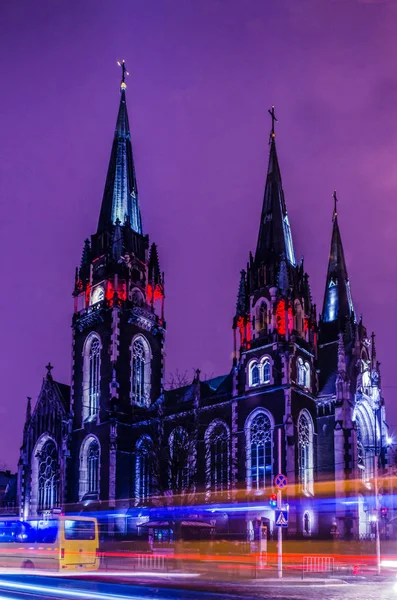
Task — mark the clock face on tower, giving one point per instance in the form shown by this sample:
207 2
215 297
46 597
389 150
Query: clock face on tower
98 294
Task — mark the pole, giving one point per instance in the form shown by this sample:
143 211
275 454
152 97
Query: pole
377 511
279 506
377 536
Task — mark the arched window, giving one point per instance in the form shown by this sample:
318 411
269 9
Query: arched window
307 376
143 477
365 374
48 475
89 467
141 372
307 526
305 452
179 460
266 370
136 298
93 467
217 456
254 374
98 294
258 434
91 377
303 373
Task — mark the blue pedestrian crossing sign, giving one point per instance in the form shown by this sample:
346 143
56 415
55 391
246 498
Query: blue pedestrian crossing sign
280 481
282 518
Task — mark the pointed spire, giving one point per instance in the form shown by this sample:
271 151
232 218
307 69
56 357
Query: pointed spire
28 410
154 273
241 306
274 237
373 351
85 255
120 198
338 305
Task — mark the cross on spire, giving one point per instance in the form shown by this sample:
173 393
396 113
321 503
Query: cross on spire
274 120
49 368
124 72
335 201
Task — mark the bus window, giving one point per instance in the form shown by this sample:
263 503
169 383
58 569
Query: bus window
25 532
79 530
47 531
8 530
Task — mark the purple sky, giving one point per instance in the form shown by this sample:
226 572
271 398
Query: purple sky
203 74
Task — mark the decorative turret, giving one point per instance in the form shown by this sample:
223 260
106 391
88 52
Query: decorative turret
28 410
155 289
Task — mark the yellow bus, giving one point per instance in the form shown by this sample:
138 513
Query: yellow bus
54 543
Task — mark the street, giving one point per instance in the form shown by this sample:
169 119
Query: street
31 587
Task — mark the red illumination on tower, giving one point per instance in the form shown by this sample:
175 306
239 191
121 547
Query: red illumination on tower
109 291
87 294
280 318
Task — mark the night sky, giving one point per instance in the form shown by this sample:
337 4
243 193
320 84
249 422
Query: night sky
203 75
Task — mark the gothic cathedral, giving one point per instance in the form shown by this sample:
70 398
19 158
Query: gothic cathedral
302 398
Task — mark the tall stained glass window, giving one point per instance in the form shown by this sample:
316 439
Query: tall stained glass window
140 376
93 466
260 448
218 458
48 473
305 449
94 377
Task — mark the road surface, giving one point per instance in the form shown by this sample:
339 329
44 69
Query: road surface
35 587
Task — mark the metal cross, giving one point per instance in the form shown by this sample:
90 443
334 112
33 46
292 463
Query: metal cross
335 201
123 70
274 120
49 368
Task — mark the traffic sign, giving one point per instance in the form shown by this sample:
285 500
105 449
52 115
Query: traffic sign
280 481
282 518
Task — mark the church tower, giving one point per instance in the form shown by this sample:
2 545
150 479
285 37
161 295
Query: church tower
118 333
349 388
275 352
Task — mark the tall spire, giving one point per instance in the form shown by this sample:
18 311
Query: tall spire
120 198
338 305
274 239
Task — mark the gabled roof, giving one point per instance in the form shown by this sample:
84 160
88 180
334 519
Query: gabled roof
208 389
53 392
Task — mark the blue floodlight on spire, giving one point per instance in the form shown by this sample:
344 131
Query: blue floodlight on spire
274 239
338 305
120 198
